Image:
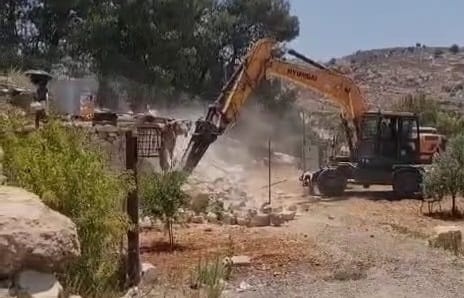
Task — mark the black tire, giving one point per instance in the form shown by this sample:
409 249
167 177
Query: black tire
407 183
331 183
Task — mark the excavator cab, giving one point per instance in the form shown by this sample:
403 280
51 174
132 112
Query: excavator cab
387 139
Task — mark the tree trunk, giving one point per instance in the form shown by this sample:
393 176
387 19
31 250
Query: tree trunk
171 236
453 208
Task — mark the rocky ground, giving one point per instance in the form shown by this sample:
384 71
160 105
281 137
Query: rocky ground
363 245
386 75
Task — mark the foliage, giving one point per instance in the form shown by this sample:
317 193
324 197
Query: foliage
211 275
162 197
430 113
438 53
58 164
446 177
426 108
176 46
454 49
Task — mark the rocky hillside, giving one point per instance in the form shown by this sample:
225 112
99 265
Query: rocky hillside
388 74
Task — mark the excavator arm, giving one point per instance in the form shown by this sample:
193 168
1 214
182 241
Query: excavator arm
263 61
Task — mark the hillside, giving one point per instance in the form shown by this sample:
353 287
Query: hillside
388 74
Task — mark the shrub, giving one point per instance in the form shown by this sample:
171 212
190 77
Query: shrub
454 49
446 177
438 53
427 108
72 177
162 197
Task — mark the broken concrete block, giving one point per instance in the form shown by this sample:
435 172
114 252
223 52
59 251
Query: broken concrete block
277 219
446 237
260 220
266 209
288 215
292 207
212 217
229 219
198 219
243 221
238 260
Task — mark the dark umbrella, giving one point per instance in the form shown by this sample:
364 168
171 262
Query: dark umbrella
37 76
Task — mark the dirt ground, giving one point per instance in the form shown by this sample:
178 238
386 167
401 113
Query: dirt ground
366 244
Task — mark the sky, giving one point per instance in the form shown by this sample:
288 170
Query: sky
335 28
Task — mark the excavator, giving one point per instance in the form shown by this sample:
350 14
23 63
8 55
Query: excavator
384 147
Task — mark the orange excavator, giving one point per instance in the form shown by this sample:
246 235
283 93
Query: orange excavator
384 147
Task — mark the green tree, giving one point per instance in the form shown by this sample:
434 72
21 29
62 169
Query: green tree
446 177
162 197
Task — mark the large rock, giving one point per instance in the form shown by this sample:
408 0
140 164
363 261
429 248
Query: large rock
32 235
447 237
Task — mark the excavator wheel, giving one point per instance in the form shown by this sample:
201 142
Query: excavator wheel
331 183
407 183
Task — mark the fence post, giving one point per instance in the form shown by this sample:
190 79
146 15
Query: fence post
133 246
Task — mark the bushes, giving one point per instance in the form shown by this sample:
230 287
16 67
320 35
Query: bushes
454 49
59 165
447 123
162 197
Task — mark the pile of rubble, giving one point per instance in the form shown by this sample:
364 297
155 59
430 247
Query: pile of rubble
219 195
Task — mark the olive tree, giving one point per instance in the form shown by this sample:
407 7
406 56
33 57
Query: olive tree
446 176
162 197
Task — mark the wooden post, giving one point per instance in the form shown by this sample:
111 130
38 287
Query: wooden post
303 155
269 167
133 248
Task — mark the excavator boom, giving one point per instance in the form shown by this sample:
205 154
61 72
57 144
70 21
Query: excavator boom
261 62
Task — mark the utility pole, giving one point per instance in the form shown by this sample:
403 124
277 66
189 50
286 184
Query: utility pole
133 246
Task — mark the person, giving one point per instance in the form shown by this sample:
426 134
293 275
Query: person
41 96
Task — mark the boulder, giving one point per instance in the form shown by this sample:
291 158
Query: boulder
32 235
33 284
446 237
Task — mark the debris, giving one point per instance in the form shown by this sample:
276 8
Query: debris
288 215
241 221
229 218
292 207
198 219
238 260
212 217
244 286
276 219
